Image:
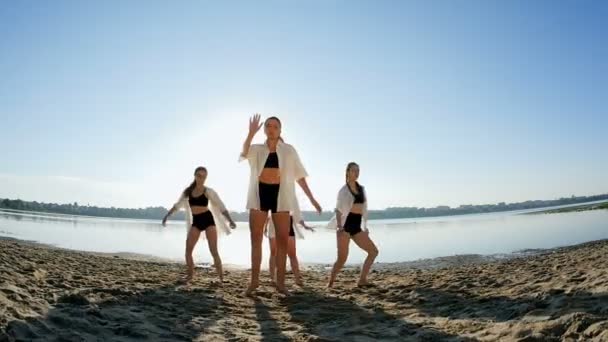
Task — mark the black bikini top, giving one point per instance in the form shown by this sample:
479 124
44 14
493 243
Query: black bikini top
201 201
359 196
272 162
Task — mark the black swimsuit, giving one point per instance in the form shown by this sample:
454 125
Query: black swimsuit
272 162
359 196
269 193
200 201
204 220
353 221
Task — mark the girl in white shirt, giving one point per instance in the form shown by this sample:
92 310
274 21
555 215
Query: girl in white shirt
291 249
275 168
351 217
204 211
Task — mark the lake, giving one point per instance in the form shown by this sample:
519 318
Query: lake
397 240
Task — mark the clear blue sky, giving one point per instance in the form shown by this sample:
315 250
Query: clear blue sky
441 103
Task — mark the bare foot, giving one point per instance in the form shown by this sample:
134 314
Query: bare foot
186 280
283 291
364 284
251 289
299 282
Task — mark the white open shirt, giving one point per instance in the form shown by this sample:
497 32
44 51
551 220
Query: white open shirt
216 207
344 205
291 170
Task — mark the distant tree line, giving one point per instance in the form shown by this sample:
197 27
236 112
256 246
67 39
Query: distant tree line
157 213
410 212
150 213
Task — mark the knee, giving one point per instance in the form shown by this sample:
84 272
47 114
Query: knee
282 241
341 261
373 252
256 242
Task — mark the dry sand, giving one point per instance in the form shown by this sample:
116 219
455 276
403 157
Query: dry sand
49 294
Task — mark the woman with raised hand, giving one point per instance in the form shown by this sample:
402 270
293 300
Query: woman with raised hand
275 168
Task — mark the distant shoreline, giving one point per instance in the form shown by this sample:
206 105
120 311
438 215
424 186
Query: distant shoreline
386 214
578 208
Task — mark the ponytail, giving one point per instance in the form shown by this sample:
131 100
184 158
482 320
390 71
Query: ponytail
189 188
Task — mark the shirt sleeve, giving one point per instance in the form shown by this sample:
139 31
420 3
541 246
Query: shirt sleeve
299 170
250 154
216 200
341 201
365 213
182 201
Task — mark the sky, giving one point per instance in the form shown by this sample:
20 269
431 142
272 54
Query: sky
114 103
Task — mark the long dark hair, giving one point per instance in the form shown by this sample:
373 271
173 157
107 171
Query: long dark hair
189 188
360 189
280 125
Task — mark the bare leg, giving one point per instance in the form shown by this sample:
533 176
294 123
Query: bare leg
293 260
272 261
281 224
211 234
257 219
193 235
343 240
365 243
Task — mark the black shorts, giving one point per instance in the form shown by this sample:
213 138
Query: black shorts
353 224
269 197
203 221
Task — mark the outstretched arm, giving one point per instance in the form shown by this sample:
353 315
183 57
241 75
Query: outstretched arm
339 220
169 213
307 227
304 185
229 219
217 201
254 127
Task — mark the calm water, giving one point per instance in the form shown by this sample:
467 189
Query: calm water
398 240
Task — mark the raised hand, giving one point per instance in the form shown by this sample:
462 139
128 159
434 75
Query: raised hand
255 124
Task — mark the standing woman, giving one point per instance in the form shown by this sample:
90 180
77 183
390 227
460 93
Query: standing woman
204 209
275 168
351 216
291 249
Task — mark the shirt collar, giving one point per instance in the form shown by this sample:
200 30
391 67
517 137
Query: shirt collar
279 144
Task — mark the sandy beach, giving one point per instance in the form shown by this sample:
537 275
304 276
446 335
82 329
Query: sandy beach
50 294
